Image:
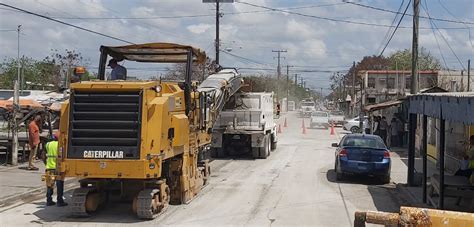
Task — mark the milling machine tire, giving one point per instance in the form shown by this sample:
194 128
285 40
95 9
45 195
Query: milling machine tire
150 203
86 201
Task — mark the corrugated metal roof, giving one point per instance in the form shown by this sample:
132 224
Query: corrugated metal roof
382 105
450 106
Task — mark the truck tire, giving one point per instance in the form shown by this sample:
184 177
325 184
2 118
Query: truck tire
274 143
221 153
265 150
255 152
217 152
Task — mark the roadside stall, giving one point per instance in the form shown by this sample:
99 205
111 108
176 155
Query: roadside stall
447 107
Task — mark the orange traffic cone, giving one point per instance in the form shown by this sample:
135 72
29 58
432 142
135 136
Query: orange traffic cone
332 129
279 128
285 125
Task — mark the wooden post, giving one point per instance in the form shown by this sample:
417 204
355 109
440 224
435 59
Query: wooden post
442 144
411 149
425 155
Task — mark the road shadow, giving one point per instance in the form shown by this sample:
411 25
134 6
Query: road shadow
383 195
114 212
353 179
316 128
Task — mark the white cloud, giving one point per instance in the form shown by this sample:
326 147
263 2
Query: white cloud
309 41
199 28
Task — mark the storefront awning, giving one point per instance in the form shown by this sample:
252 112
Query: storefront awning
382 105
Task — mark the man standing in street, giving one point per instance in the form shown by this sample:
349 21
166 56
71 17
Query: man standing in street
51 176
34 140
394 132
383 129
118 72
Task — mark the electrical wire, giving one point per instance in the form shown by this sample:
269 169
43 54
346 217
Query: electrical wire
390 11
189 16
436 39
396 28
67 24
445 40
391 24
327 18
449 12
244 58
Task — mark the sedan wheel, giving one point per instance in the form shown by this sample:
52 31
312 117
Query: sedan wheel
355 129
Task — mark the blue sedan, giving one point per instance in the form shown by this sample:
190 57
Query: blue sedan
362 154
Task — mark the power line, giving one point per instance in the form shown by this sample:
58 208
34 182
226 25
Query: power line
65 23
238 13
327 18
396 28
390 11
188 16
436 39
391 24
449 12
244 58
442 36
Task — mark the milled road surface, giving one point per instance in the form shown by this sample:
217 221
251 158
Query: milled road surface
295 186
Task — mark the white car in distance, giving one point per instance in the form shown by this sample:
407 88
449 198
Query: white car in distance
353 124
319 119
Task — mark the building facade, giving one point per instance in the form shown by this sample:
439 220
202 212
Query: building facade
385 85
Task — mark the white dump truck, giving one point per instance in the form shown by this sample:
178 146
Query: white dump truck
245 126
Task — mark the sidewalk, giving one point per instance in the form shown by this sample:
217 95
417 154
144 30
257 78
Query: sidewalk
17 182
415 194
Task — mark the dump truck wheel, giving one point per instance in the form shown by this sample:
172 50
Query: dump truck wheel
265 150
274 143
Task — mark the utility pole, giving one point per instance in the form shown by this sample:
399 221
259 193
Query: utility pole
414 89
218 15
287 85
16 103
321 93
278 71
296 80
18 55
414 48
469 75
217 32
353 87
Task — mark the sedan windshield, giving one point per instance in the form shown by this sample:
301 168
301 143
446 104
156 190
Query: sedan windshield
372 142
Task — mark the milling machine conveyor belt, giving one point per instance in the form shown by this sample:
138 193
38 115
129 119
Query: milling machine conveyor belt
220 87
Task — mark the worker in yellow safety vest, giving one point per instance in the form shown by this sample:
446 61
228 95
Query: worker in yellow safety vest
51 174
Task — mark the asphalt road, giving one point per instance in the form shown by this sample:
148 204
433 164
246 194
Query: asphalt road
295 186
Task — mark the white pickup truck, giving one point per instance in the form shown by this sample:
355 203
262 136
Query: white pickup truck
319 119
337 117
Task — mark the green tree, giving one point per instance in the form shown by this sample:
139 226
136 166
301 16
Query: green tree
401 60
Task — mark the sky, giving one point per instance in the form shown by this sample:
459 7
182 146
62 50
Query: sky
249 31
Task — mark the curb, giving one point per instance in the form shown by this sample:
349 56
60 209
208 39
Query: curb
7 201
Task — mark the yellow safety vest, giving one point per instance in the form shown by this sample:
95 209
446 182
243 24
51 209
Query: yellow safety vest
51 154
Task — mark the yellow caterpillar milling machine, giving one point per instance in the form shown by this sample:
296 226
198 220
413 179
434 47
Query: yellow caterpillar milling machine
142 141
